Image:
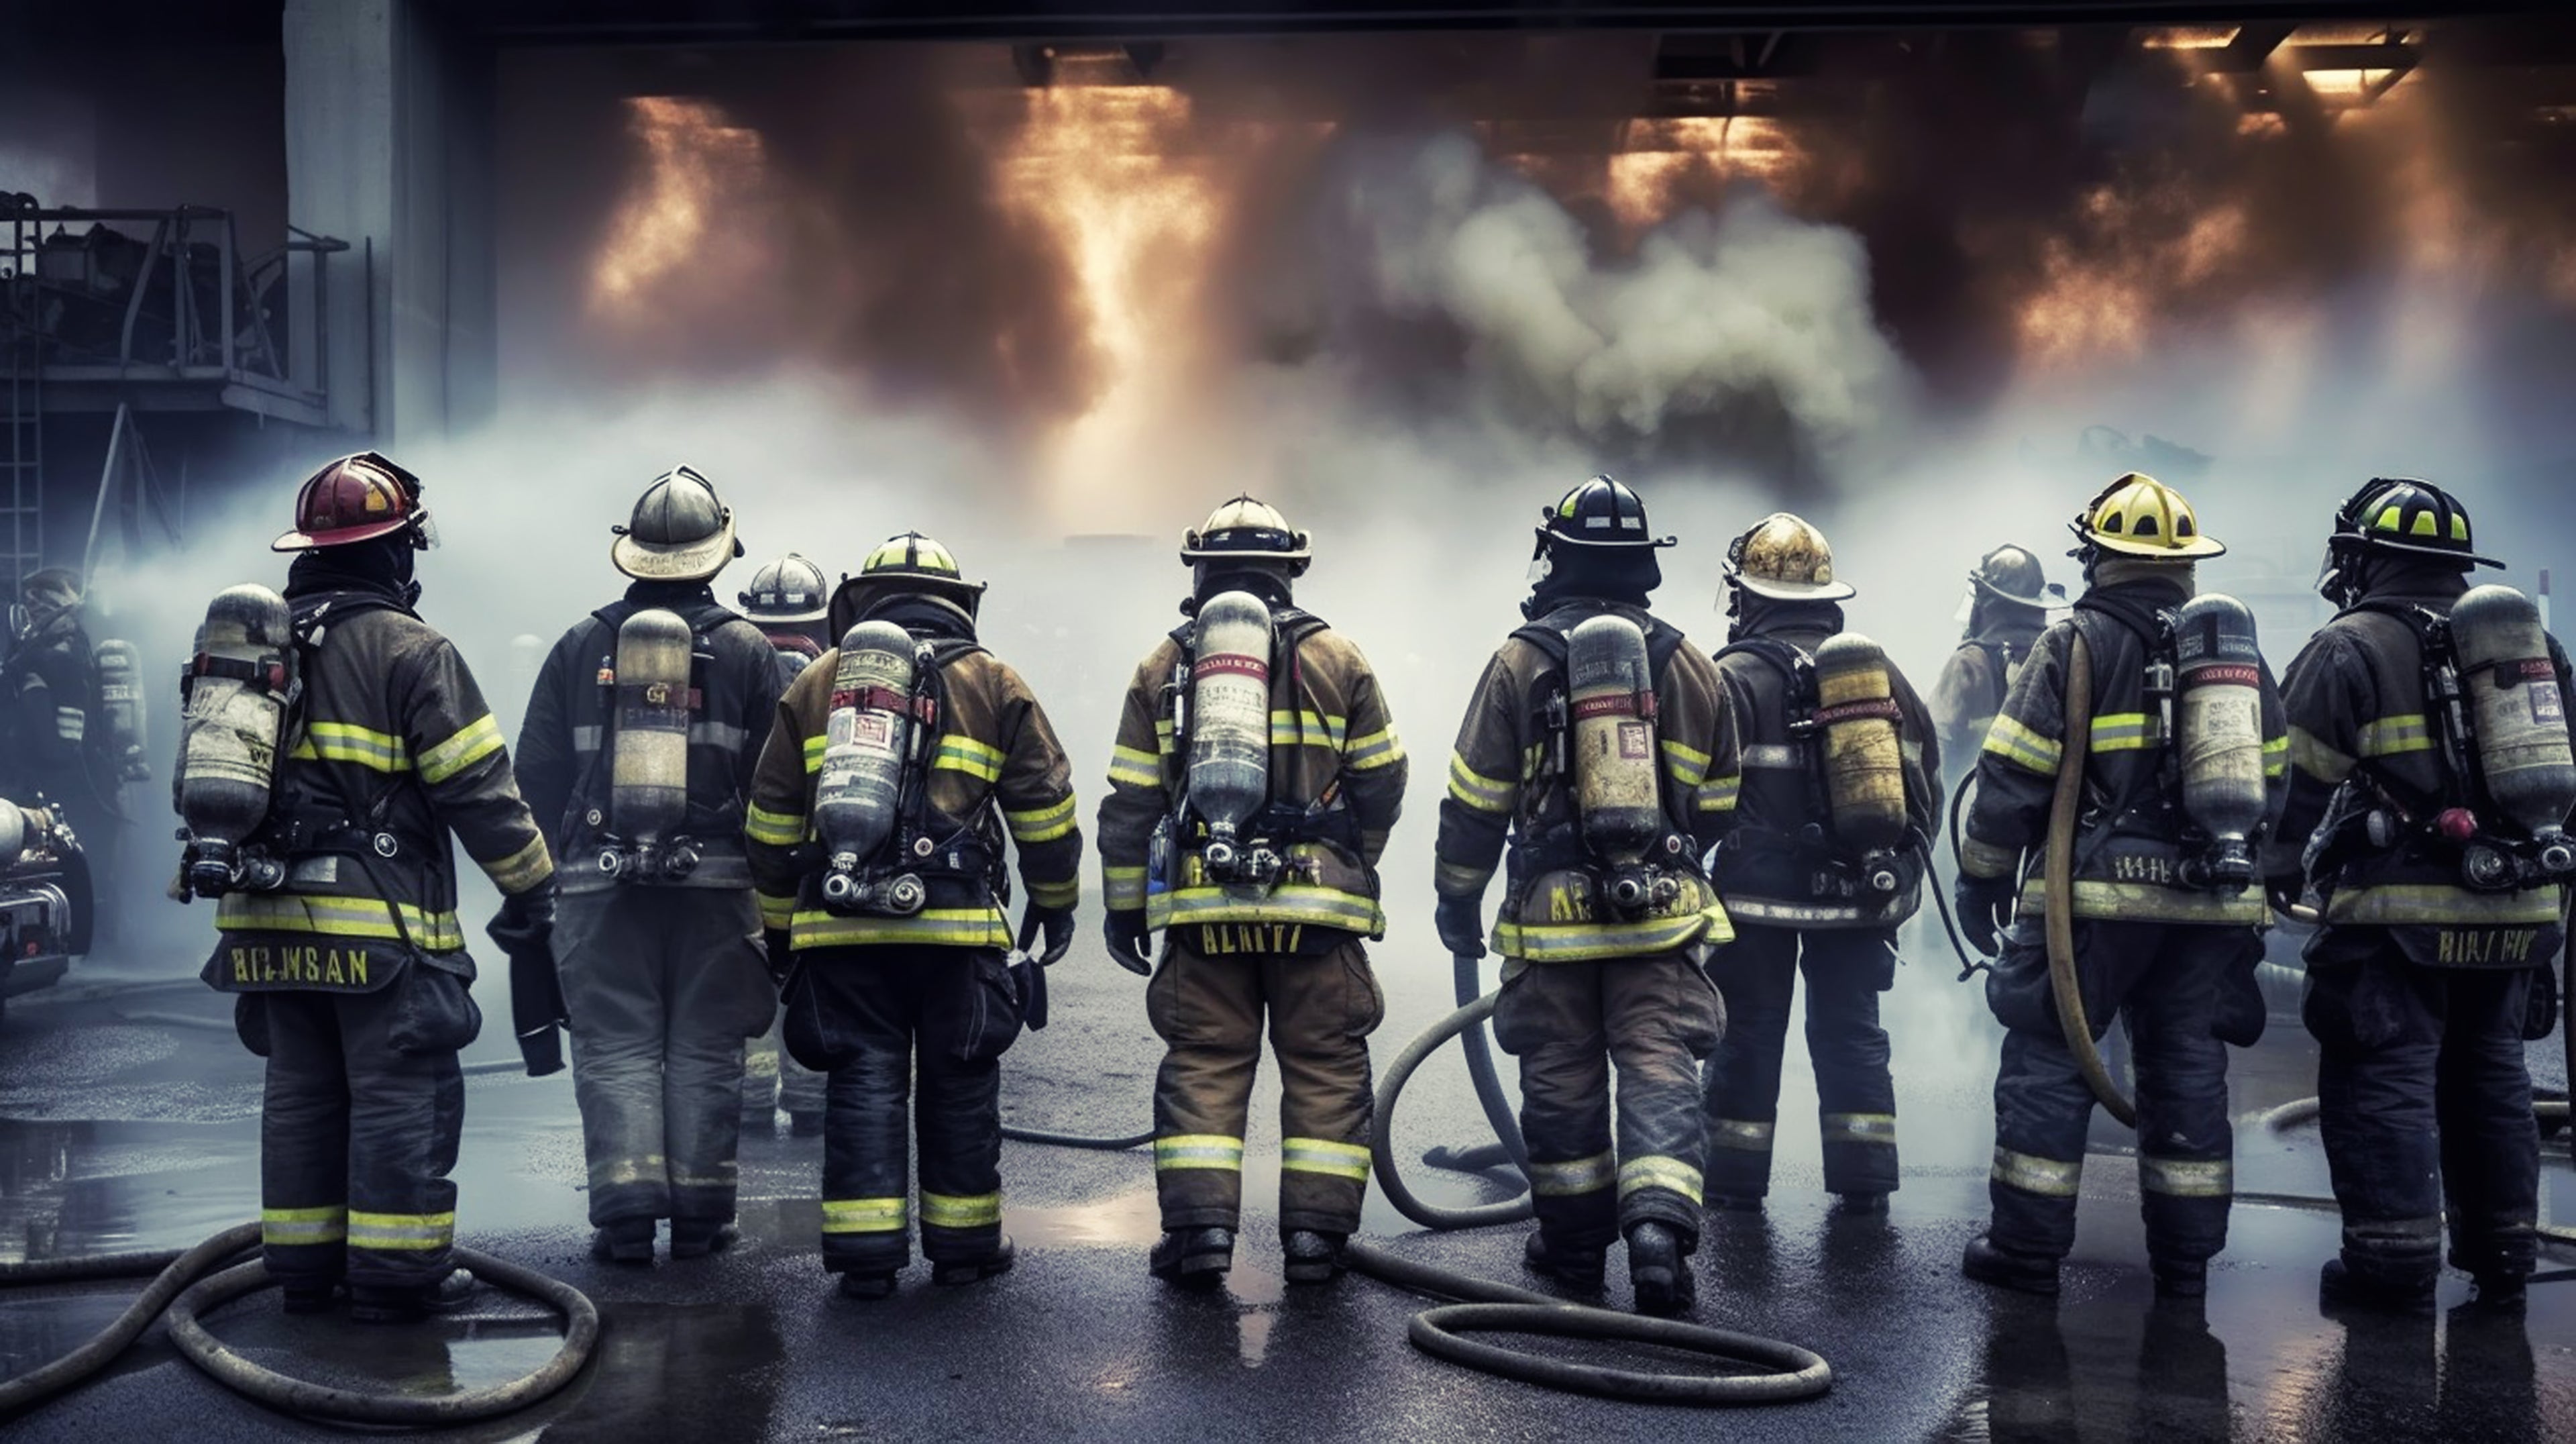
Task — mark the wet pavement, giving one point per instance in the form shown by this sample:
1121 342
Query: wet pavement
128 1119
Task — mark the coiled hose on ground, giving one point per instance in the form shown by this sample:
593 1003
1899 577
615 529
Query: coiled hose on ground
185 1286
1778 1372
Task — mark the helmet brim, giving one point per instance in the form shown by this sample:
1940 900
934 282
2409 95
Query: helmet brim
2051 595
2464 559
302 541
1794 591
816 615
690 562
1558 538
2192 550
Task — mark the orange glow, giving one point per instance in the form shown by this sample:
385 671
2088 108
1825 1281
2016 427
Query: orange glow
1655 158
2103 284
2189 37
694 163
1112 173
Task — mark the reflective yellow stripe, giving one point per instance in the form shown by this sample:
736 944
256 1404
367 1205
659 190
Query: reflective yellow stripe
2120 732
292 1227
1056 894
401 1231
2390 736
776 911
1287 903
1719 795
523 869
1686 762
2276 757
1309 729
1122 888
1859 1128
2187 1177
865 1215
472 743
943 1210
345 917
2398 904
1585 942
1043 824
1134 768
1979 858
1198 1150
2017 744
2048 1177
1575 1176
814 753
1322 1155
776 829
1376 750
1478 791
2149 902
959 753
1748 1135
1657 1171
940 927
348 742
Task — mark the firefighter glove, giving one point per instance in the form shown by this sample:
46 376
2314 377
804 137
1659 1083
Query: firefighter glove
2285 892
1125 929
777 953
1057 926
1986 909
526 920
1461 924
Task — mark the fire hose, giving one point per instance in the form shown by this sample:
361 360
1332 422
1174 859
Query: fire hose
1781 1372
2057 884
186 1285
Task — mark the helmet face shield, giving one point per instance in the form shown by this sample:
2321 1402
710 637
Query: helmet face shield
424 532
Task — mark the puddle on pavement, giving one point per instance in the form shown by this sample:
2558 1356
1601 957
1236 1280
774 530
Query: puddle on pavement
80 1188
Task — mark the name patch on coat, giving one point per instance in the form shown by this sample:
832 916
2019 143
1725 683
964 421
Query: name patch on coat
1219 938
253 967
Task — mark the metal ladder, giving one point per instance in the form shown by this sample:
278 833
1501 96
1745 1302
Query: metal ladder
22 450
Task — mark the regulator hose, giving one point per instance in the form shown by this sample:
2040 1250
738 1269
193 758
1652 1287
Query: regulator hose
1783 1372
2057 880
186 1286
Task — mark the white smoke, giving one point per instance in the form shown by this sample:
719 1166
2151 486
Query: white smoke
1748 305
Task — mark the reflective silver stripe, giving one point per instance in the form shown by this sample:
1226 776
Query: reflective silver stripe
1656 1171
1860 1128
976 1210
1777 756
863 1215
1323 1155
650 1168
1751 1135
586 739
1766 910
2030 1173
70 724
1198 1150
732 737
1581 1175
2187 1177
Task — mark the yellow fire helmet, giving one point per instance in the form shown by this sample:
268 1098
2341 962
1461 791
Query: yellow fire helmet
1784 557
2140 516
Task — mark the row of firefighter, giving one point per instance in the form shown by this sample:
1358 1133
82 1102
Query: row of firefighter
799 817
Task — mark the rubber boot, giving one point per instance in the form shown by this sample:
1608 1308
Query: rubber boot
968 1271
2501 1290
1861 1203
1581 1269
626 1241
1194 1258
1313 1257
2178 1280
370 1305
2029 1273
870 1284
1659 1269
698 1237
2339 1288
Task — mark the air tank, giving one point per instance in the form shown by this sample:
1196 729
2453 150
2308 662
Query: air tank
1229 728
1610 696
2219 733
648 776
120 701
858 797
2516 716
15 829
235 696
1864 758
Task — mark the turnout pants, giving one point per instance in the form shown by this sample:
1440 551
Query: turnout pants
2424 1099
1650 1020
2171 981
915 1024
359 1130
662 985
1846 970
1209 1012
772 1079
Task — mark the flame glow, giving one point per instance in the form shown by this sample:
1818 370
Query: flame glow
1657 157
693 161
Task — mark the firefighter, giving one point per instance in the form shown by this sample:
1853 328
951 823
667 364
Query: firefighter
636 754
1599 749
1305 771
52 737
2419 984
1821 867
2009 599
2163 934
898 761
352 976
786 600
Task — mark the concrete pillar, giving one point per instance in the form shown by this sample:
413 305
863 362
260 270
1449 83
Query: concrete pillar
388 147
